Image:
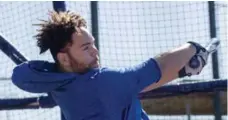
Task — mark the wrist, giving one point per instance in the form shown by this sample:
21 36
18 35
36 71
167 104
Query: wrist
192 48
198 48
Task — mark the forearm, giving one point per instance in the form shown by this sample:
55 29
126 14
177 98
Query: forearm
171 62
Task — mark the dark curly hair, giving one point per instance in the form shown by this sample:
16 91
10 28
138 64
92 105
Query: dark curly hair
56 32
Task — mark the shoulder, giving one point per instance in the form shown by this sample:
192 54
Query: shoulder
112 71
110 75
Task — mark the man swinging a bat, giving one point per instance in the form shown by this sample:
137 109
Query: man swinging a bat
84 90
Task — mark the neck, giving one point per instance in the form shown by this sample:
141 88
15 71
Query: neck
64 69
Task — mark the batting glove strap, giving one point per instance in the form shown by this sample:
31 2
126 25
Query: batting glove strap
182 73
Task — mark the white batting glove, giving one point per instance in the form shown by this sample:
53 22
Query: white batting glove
196 63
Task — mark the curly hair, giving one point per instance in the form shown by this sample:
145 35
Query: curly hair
56 32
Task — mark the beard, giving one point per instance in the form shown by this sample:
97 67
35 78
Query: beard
81 67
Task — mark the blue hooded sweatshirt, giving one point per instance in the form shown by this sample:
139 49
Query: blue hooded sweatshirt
99 94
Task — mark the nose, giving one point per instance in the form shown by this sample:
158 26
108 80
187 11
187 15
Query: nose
94 51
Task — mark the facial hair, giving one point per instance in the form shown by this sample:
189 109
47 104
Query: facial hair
80 67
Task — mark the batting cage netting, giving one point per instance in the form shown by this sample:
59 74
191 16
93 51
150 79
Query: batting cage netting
127 34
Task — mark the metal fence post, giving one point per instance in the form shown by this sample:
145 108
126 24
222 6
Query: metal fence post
59 6
215 64
94 22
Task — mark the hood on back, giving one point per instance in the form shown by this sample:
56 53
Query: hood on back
39 77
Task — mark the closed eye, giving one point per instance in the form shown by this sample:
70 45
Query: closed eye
86 45
86 48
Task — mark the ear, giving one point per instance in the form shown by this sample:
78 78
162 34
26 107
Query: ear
63 59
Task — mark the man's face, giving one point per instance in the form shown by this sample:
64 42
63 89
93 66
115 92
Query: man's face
82 53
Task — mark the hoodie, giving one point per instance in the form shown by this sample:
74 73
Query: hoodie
99 94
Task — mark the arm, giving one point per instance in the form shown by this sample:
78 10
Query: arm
123 85
170 63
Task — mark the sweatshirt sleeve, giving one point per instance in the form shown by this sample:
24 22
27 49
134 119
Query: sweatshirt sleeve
120 86
38 77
